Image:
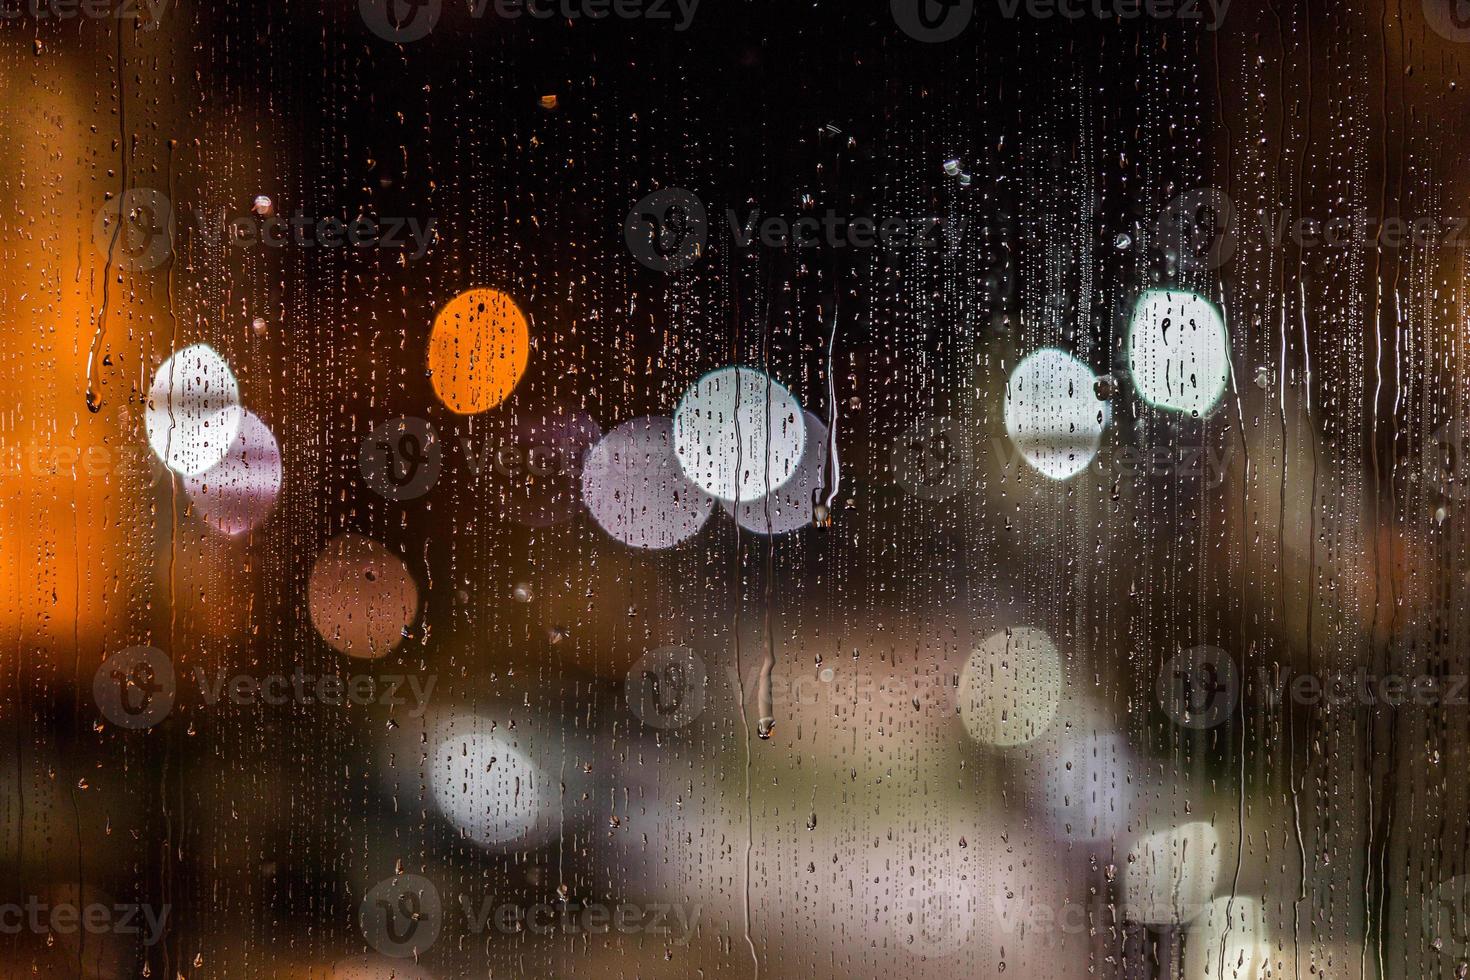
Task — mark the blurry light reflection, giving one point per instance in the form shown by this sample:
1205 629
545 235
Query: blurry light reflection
238 493
1171 874
482 783
636 490
193 412
478 350
1085 780
739 434
1052 413
361 597
790 507
1011 687
1232 927
1178 351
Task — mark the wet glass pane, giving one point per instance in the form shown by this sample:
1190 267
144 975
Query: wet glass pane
728 488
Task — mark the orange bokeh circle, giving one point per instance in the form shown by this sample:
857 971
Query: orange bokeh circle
478 350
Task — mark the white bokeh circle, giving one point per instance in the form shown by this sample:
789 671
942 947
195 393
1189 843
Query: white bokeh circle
193 412
482 783
1011 687
738 434
1178 351
1170 875
789 508
1052 413
636 490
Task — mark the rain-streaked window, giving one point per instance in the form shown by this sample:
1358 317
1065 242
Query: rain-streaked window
734 489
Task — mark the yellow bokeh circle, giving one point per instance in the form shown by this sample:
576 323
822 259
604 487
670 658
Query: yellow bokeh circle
478 350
